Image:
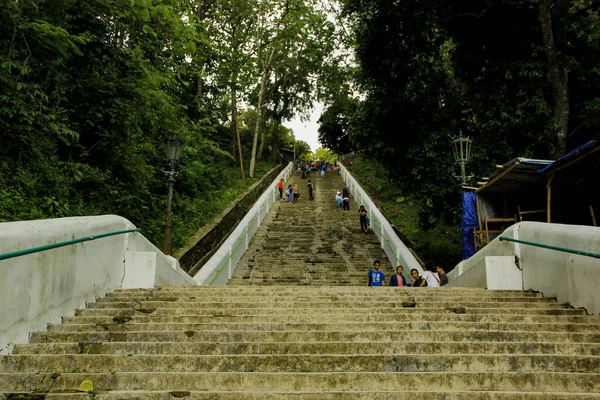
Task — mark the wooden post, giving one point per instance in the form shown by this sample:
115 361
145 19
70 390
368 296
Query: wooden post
479 219
593 215
549 198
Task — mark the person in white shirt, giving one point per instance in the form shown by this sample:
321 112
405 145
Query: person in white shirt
431 277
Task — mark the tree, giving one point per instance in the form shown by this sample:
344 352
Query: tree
431 69
322 154
272 21
303 151
233 37
334 124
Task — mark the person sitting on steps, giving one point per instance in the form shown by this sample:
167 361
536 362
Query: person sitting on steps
398 279
442 275
430 276
417 279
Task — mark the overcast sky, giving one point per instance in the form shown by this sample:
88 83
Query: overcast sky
307 130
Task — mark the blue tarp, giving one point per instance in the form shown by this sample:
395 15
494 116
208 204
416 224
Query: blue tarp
569 154
469 221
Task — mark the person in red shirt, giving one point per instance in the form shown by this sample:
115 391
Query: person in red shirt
280 188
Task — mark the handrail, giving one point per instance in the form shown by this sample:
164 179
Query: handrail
547 246
38 249
395 250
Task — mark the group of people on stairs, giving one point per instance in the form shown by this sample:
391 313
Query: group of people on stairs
293 192
434 276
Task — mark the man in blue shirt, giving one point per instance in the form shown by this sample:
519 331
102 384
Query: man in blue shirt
376 277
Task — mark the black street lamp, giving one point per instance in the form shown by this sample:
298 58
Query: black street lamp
174 147
462 153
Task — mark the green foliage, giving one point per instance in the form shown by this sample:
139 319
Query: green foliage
322 154
88 91
334 124
430 69
303 151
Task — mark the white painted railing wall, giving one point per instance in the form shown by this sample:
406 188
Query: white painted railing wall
220 267
394 248
40 288
568 277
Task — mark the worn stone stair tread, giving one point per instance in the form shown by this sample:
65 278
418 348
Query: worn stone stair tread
324 395
385 292
331 326
379 347
329 381
314 336
97 363
308 311
311 304
320 318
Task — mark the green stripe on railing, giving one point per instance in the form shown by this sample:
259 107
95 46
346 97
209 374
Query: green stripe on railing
65 243
548 246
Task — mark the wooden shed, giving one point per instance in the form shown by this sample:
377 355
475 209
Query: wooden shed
562 191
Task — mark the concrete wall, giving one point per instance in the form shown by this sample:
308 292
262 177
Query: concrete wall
568 277
40 288
493 273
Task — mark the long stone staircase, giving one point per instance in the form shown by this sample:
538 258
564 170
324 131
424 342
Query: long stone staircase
284 330
311 242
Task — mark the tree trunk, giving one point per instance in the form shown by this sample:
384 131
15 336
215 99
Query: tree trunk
275 147
233 121
235 130
261 95
263 129
558 78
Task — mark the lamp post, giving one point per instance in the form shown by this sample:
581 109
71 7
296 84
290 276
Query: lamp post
174 147
462 152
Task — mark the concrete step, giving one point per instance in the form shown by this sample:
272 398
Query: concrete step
356 348
337 318
327 327
339 290
151 304
322 395
98 363
293 282
124 312
225 291
363 381
314 336
416 295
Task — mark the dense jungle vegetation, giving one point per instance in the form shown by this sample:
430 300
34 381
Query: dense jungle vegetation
89 89
520 77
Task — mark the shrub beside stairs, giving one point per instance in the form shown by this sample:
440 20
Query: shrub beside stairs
295 335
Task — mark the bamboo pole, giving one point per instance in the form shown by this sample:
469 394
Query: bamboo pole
549 198
499 176
593 215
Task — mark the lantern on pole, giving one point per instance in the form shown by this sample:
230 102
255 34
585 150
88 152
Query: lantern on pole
174 148
462 153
